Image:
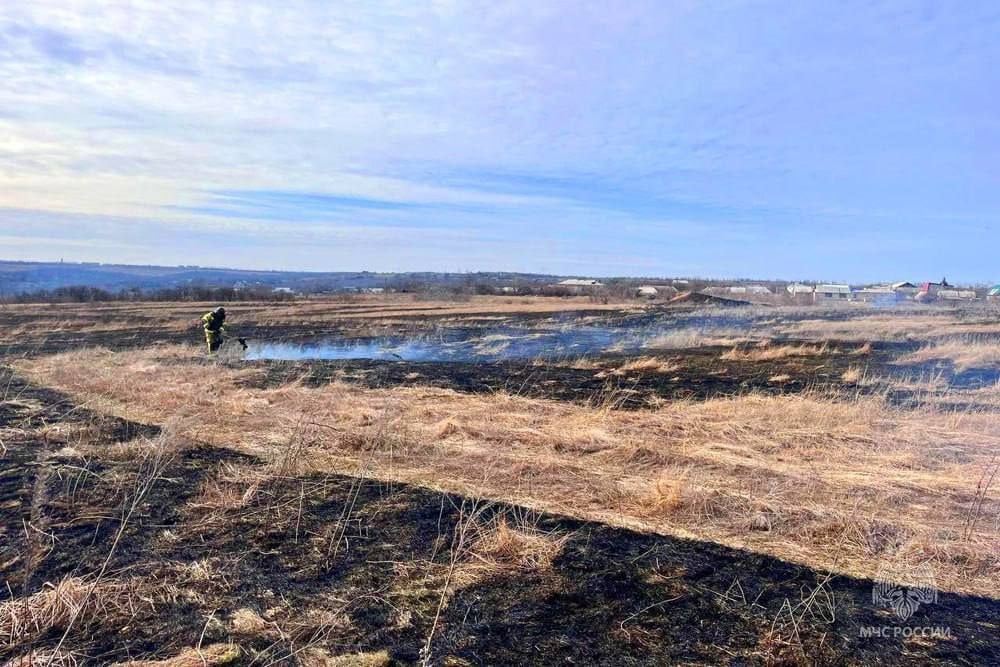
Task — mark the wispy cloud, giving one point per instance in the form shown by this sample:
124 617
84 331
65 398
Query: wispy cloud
718 138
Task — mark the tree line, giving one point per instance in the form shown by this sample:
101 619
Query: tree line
87 294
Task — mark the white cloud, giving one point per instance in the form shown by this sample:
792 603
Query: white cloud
728 116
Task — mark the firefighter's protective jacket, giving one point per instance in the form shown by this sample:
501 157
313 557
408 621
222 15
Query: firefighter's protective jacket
214 326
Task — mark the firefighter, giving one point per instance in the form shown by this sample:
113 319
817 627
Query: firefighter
214 323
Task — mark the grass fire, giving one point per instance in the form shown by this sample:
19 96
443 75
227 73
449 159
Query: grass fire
594 480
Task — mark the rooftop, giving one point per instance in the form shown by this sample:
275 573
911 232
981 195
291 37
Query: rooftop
579 282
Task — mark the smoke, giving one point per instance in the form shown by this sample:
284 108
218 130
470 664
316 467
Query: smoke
557 338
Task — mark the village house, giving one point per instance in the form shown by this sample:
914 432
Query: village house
831 292
742 290
656 292
957 294
579 285
799 293
929 291
881 294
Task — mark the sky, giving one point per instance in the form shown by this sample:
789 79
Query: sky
851 141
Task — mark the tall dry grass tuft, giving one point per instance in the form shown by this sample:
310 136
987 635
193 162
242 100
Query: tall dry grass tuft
771 353
863 349
484 543
647 365
57 606
213 655
692 337
667 493
508 544
853 375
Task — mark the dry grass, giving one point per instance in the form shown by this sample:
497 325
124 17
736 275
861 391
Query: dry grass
44 658
56 605
204 656
647 365
865 348
853 375
911 324
962 353
605 367
580 364
667 493
696 337
320 658
805 477
501 544
767 352
246 621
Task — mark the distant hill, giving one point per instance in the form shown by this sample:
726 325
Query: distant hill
26 277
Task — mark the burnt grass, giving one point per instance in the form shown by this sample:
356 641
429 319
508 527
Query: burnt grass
373 557
700 373
140 331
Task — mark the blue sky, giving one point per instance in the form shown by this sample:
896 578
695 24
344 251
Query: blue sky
854 141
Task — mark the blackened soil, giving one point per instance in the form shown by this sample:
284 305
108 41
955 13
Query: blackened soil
360 565
35 423
698 373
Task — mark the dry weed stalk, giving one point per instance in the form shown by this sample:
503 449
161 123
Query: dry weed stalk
816 606
982 493
487 541
468 515
158 457
43 657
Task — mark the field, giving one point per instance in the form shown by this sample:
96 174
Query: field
499 480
